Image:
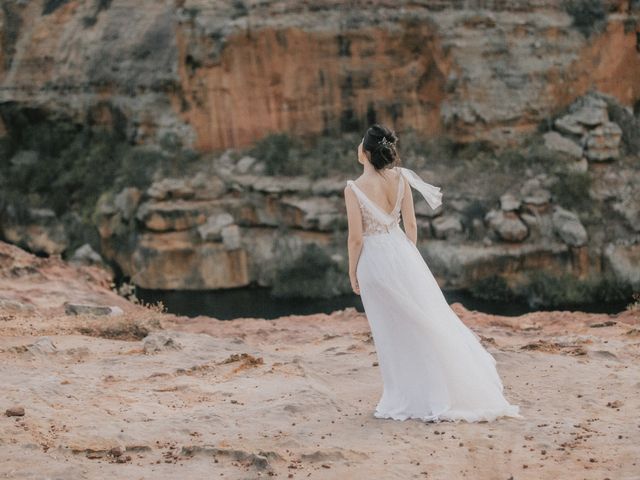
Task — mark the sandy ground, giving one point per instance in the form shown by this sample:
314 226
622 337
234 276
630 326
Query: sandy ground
151 395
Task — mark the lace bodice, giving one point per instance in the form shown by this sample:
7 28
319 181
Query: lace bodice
375 220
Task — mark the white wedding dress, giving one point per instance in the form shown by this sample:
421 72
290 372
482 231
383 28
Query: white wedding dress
433 366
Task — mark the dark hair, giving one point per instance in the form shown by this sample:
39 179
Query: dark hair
380 142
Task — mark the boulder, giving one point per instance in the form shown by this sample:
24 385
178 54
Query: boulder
447 226
207 187
507 225
580 166
308 213
275 184
170 188
569 125
126 202
244 164
42 346
40 232
90 309
568 226
177 261
603 142
231 237
556 142
509 202
589 111
86 255
164 216
534 193
211 230
629 208
159 341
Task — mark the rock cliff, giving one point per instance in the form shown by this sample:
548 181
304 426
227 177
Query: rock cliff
223 74
123 127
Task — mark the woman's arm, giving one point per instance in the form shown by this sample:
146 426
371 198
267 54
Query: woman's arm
408 213
354 220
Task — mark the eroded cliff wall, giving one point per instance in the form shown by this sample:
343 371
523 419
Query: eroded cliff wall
223 74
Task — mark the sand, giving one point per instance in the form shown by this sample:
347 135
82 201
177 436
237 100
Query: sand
146 394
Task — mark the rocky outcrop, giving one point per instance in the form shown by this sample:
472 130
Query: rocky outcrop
39 230
79 398
217 75
586 132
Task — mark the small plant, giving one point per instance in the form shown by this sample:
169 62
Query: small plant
277 151
572 190
635 304
157 307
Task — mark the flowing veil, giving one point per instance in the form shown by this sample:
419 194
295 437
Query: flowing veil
431 194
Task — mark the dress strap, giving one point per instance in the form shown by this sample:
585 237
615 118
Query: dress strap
431 194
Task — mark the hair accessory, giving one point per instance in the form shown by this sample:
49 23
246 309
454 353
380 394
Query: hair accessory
384 142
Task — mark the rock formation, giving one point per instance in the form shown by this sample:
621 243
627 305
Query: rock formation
149 394
191 76
223 75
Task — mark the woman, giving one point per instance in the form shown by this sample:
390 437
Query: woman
433 367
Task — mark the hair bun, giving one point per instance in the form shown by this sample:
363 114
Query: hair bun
380 142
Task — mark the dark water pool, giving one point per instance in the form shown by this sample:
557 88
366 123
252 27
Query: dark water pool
257 302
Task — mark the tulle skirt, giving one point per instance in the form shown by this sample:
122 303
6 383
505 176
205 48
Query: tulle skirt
433 366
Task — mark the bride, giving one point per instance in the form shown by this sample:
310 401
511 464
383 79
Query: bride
433 366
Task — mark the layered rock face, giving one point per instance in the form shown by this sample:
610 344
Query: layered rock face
222 75
217 231
214 75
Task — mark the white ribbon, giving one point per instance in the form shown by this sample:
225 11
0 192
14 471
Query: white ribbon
431 194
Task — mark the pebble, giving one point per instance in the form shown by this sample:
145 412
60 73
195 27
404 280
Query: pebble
15 412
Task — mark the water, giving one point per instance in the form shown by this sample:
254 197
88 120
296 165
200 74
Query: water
257 302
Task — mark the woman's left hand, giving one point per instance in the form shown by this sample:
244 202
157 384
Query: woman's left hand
354 284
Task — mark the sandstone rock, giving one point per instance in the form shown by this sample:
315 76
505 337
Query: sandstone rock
569 125
86 255
580 166
8 305
40 232
589 110
533 192
447 226
231 237
16 411
177 261
328 186
624 261
244 164
43 346
555 141
276 184
568 226
461 265
212 229
170 189
163 216
207 187
509 202
507 225
159 341
89 309
603 142
308 213
629 208
126 202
